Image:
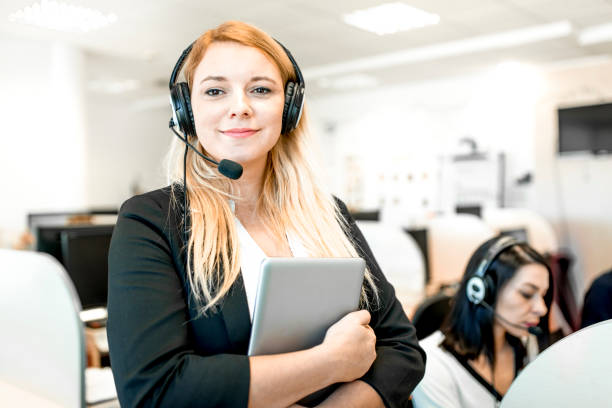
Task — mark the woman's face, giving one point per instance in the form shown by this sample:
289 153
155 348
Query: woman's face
521 300
237 99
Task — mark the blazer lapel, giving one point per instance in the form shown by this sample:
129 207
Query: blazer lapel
236 315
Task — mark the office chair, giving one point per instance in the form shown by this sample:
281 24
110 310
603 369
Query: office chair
399 257
451 241
42 343
430 314
540 233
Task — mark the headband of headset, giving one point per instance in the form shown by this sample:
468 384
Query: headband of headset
480 286
494 251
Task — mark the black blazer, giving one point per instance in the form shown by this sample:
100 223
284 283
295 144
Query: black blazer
164 354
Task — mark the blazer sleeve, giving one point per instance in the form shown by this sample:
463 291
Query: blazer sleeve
400 361
151 354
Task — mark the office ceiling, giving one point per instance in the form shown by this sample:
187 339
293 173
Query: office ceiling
149 35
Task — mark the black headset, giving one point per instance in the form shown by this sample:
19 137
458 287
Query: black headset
481 285
180 100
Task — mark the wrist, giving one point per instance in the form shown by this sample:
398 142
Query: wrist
329 365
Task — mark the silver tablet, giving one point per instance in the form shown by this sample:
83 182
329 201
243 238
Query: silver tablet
298 299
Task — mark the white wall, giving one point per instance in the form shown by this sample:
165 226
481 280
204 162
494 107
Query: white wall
510 108
125 148
42 143
574 190
64 147
407 133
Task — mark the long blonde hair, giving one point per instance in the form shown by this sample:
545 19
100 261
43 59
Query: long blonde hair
292 199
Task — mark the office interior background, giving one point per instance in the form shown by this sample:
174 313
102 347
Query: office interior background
397 117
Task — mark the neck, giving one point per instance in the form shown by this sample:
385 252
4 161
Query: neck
249 187
499 337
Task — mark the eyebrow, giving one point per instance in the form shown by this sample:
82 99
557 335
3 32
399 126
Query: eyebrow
262 78
222 79
535 287
214 78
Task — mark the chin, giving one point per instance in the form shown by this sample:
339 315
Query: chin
516 332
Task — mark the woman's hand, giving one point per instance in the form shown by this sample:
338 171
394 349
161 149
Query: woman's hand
350 343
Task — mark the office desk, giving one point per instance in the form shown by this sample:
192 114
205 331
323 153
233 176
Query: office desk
14 396
574 372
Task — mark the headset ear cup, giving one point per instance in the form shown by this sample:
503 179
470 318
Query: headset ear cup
181 104
289 94
476 290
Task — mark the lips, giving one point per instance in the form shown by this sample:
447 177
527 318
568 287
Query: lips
239 133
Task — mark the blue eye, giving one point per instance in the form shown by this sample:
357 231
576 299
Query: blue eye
214 92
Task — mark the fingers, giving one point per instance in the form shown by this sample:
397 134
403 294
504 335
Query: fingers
362 317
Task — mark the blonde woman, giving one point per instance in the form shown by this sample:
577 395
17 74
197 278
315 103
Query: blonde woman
182 285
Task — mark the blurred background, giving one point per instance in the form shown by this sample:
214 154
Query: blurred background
471 117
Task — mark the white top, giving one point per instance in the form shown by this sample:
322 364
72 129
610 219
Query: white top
251 256
447 384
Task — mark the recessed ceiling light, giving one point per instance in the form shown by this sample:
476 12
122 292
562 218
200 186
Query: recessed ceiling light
390 18
62 17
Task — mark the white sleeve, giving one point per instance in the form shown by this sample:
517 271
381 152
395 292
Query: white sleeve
439 388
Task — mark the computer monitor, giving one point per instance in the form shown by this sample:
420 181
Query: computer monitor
83 250
420 237
85 254
373 215
38 219
474 209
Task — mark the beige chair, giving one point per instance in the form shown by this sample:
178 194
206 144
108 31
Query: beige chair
400 259
451 240
42 351
540 233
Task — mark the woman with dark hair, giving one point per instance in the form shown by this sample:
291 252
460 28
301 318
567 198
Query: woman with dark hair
490 332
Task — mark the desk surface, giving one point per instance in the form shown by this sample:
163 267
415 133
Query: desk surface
574 372
14 396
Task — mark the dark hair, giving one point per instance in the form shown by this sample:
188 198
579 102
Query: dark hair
468 328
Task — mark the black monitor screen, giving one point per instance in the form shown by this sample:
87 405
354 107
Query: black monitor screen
586 129
475 209
85 253
420 237
83 250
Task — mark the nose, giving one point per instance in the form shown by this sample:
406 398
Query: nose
240 106
540 306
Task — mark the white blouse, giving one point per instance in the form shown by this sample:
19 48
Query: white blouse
447 384
251 256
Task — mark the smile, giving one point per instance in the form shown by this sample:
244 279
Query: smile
239 133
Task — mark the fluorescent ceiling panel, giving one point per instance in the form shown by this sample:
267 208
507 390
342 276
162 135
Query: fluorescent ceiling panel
390 18
62 17
595 34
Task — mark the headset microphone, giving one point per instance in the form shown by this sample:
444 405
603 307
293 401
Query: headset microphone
536 331
228 168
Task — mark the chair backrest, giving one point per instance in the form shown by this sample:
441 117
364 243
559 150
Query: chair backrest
399 257
575 371
540 233
451 241
430 314
42 349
